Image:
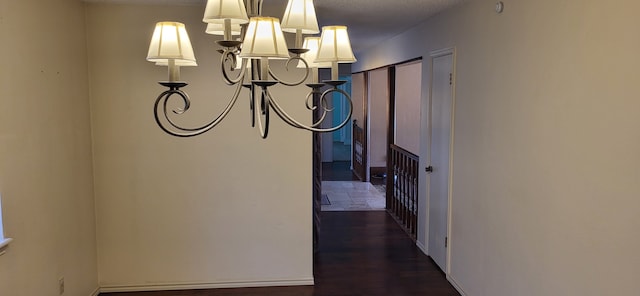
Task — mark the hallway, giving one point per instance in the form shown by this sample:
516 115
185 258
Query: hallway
368 254
367 247
342 191
361 254
352 196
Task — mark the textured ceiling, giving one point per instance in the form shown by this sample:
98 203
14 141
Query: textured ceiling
369 21
372 22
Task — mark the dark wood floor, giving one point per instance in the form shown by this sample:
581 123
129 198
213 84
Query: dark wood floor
338 171
361 254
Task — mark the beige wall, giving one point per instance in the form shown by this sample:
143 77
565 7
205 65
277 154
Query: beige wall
545 176
546 106
226 208
45 150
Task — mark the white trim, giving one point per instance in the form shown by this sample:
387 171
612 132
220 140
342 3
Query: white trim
456 286
95 292
454 56
367 135
3 245
194 286
5 242
160 2
432 56
442 52
422 247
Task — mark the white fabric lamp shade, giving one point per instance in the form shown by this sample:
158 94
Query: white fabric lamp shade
335 46
312 44
218 29
181 63
239 64
170 41
217 11
264 39
300 15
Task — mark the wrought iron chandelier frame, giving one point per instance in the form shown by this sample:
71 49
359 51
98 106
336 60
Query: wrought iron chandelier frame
255 75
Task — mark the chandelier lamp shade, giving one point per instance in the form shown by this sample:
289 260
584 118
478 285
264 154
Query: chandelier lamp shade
264 39
300 15
170 46
218 29
300 18
312 43
221 11
244 63
179 63
334 48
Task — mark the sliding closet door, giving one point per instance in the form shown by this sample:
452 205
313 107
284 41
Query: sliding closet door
403 159
378 91
359 145
408 88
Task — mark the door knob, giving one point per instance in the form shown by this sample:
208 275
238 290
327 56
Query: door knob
428 169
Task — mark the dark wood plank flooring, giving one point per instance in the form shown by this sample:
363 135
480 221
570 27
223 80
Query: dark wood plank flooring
338 171
361 254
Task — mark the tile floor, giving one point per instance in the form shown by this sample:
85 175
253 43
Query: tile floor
352 196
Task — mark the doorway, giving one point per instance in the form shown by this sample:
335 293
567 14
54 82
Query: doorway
439 169
336 146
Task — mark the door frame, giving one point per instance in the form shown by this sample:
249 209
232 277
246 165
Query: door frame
426 152
388 72
361 171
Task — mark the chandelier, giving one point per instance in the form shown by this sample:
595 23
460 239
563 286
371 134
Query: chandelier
245 63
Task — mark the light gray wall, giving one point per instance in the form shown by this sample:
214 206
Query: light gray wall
223 209
545 174
45 150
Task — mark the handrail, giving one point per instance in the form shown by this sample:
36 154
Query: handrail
359 151
402 188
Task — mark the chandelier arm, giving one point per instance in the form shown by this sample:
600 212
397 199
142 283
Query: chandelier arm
324 103
252 105
263 107
174 129
309 101
325 107
347 117
291 59
229 55
289 119
281 113
325 110
292 122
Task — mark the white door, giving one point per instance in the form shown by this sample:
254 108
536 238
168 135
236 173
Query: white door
440 156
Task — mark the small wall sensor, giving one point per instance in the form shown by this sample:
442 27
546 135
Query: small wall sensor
499 7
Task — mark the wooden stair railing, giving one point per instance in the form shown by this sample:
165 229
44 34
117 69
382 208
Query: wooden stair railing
359 151
402 189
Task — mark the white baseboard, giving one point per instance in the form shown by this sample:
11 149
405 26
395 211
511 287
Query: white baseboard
96 292
194 286
456 285
422 247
